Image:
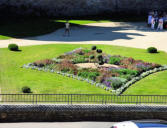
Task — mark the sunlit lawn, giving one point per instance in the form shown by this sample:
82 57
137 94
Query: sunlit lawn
13 77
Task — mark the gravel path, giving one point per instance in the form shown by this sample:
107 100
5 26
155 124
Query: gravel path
94 66
113 33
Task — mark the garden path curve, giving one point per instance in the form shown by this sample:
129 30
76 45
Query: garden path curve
135 34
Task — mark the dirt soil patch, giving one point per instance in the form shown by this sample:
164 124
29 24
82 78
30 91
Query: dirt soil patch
95 65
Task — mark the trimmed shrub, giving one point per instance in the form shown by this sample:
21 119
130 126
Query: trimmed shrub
99 51
26 89
91 57
152 50
101 62
13 47
100 57
93 48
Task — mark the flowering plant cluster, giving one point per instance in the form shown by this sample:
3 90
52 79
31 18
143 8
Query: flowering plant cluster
118 74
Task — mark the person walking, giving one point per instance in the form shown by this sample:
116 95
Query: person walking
149 20
160 24
152 22
156 22
165 21
67 28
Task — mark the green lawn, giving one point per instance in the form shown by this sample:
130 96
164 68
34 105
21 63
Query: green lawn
153 84
13 77
82 22
33 27
4 37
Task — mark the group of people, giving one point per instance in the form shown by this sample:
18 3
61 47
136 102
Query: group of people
157 20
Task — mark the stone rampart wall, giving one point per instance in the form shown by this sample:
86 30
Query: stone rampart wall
78 7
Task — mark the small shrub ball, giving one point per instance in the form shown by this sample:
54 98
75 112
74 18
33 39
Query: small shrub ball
152 50
93 47
100 57
101 63
92 57
13 47
26 89
99 51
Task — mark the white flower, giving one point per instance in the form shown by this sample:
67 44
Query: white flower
52 71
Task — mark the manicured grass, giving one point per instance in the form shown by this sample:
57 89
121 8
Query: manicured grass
82 22
4 37
13 77
34 27
153 84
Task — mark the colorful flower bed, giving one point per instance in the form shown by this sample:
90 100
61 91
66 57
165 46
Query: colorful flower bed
112 72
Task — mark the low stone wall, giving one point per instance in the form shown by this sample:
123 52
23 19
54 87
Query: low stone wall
34 113
78 7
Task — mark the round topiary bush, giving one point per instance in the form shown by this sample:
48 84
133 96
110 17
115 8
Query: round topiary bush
13 47
100 57
93 47
101 62
152 50
91 57
26 89
99 51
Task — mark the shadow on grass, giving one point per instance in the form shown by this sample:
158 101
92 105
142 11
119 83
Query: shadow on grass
16 50
19 50
28 27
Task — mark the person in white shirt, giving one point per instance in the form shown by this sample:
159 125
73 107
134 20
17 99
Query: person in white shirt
160 24
67 28
152 22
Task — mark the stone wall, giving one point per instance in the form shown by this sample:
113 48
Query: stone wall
33 113
78 7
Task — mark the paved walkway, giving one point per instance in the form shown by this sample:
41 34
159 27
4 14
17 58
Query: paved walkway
58 125
128 34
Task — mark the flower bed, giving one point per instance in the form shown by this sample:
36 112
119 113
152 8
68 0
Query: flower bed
111 72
